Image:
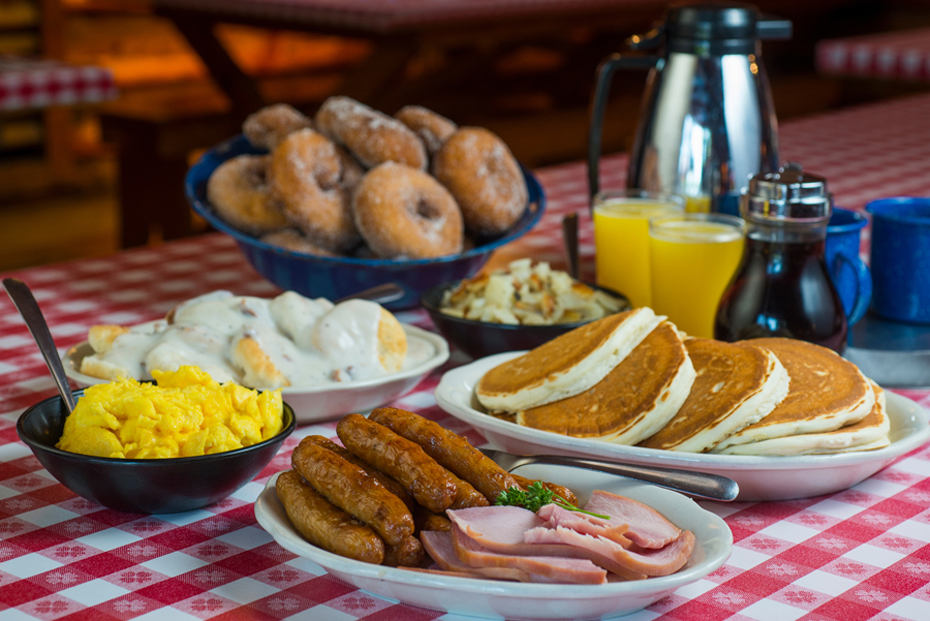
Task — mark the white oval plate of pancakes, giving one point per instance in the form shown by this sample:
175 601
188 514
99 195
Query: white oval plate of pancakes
325 402
759 477
515 600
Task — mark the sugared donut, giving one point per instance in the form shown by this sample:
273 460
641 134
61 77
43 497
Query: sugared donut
371 136
239 191
305 172
484 178
403 212
270 125
352 171
433 129
292 239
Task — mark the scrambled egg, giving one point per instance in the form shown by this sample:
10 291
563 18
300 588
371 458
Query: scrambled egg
186 414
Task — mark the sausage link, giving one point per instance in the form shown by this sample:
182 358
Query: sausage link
566 494
450 450
409 553
389 484
428 482
353 490
326 525
466 495
427 520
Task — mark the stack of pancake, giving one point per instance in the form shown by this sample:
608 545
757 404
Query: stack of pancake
633 378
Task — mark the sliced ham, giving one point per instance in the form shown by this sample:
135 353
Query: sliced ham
439 546
611 555
555 569
613 529
510 537
501 529
648 528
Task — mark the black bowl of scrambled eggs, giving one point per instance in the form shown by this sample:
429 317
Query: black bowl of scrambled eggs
147 485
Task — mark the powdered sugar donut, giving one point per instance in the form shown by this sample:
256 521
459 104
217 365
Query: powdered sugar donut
305 173
270 125
371 136
352 171
484 178
403 212
433 129
239 192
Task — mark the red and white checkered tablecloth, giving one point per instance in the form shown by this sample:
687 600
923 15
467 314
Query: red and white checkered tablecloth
901 55
858 554
31 83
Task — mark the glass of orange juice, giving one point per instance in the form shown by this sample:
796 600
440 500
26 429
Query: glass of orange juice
621 239
693 256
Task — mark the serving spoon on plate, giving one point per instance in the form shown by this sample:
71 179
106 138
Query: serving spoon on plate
697 484
380 294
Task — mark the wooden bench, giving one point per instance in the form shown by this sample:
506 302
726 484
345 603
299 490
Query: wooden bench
155 139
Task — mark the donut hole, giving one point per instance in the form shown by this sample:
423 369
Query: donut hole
325 176
427 210
257 175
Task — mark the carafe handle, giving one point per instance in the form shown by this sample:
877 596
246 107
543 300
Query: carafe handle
599 105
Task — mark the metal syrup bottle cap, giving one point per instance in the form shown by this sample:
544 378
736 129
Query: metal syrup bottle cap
787 196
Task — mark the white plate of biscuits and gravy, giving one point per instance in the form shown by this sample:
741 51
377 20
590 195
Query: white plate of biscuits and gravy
783 418
327 359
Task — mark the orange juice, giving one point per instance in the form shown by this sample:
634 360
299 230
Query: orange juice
621 240
697 204
692 259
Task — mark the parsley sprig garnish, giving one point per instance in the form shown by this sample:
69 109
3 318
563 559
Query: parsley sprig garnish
535 496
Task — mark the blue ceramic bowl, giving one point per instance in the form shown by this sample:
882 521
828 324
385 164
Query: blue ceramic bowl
144 485
900 258
337 277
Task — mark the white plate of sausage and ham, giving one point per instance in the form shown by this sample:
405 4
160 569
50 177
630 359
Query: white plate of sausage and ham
491 598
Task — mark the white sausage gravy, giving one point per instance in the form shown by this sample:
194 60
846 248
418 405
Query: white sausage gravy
308 342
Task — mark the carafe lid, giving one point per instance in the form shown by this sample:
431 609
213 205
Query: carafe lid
787 195
714 28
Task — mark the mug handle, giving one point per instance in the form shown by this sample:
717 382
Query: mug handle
863 286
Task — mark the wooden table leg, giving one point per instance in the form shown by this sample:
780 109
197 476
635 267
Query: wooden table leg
241 89
373 79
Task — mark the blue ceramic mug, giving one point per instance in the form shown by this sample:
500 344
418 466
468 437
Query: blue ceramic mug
900 258
849 272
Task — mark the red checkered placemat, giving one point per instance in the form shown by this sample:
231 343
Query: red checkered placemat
28 83
858 554
902 55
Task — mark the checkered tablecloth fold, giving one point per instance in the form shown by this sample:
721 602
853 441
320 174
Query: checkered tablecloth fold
28 83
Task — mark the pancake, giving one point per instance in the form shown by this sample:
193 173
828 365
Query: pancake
870 433
737 384
636 399
566 365
826 393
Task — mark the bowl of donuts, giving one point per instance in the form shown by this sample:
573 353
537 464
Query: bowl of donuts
354 198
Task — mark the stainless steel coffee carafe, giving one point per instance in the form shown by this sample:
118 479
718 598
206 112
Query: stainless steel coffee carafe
707 123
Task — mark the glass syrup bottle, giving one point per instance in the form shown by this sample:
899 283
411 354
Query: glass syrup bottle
782 286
